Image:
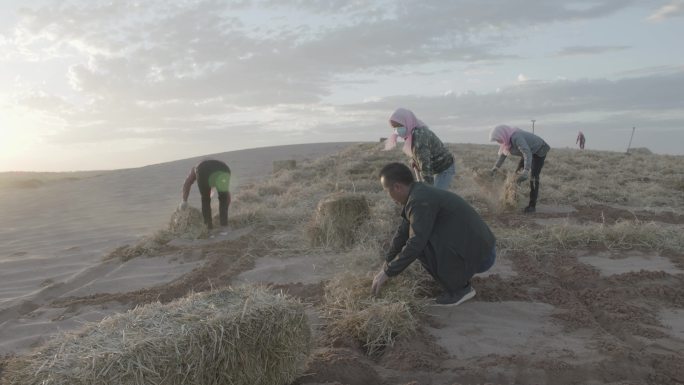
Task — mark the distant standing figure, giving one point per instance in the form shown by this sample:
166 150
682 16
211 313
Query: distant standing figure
209 174
532 150
430 158
580 140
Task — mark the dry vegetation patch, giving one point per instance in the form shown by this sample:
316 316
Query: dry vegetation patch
538 253
622 235
644 181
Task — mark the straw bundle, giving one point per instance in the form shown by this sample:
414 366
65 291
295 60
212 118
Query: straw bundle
337 219
188 224
509 196
500 191
246 336
289 164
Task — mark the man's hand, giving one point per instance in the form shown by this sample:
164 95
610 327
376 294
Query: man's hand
183 205
523 177
378 281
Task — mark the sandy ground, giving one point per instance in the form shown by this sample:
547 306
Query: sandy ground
586 317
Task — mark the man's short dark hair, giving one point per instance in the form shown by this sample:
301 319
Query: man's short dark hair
397 173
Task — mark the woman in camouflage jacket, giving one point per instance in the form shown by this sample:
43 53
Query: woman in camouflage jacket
430 158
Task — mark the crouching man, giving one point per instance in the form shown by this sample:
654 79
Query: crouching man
441 230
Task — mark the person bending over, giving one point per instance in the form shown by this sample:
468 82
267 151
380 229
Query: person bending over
209 174
532 150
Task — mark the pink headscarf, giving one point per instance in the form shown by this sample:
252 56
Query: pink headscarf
407 119
502 134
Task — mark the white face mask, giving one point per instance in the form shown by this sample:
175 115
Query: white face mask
401 131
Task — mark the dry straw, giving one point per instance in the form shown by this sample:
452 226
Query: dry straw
244 336
337 219
623 235
500 192
188 224
147 246
279 165
375 322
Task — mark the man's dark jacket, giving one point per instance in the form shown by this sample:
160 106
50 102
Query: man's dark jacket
444 232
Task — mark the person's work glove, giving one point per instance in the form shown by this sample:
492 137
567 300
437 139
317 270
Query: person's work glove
378 281
494 170
183 205
523 177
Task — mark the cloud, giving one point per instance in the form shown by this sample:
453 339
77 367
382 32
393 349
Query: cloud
605 109
649 97
155 68
589 50
652 70
673 9
160 50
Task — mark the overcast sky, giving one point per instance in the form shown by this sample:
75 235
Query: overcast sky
92 84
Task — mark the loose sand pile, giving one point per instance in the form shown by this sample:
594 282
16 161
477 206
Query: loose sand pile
246 336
